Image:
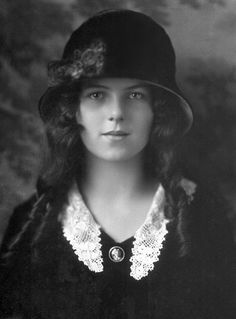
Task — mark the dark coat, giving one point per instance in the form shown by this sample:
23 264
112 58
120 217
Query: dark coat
42 278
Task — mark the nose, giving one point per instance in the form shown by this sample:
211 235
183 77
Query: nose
116 110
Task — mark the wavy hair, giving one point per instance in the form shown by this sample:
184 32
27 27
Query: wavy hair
65 159
65 152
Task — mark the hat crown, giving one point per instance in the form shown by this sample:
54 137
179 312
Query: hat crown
136 46
120 44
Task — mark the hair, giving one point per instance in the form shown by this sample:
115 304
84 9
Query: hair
65 155
65 160
65 150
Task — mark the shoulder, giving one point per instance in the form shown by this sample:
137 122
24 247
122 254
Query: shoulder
21 226
206 221
19 216
206 205
204 200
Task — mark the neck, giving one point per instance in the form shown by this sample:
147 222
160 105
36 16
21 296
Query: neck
113 178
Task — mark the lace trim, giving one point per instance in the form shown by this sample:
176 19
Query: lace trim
149 238
83 233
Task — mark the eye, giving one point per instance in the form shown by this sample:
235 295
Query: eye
136 95
97 95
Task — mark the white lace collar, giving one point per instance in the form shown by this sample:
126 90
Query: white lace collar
83 233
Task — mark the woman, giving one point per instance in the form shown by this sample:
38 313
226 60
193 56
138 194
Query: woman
115 231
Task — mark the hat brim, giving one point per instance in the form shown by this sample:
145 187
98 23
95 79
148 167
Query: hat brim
182 105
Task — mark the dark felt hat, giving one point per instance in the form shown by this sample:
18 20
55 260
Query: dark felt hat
121 44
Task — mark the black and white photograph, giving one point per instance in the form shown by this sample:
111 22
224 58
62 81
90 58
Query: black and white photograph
118 159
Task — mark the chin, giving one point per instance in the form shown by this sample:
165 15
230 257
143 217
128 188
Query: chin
115 154
118 156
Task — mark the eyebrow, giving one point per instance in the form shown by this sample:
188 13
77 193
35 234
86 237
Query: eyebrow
138 86
96 85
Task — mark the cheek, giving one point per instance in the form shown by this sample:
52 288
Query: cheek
145 121
85 118
78 117
83 114
91 126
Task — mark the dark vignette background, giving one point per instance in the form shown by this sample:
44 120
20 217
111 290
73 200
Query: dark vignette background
33 32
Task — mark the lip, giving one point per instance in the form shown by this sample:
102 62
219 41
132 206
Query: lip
116 133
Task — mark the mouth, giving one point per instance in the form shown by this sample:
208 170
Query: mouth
116 133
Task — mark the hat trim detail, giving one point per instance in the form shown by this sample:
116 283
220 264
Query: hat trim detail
88 62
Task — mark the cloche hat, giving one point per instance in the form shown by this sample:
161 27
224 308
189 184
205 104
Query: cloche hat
121 44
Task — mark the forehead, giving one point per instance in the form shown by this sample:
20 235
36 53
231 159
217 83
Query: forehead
114 83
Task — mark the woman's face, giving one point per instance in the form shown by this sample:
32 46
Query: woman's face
116 117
